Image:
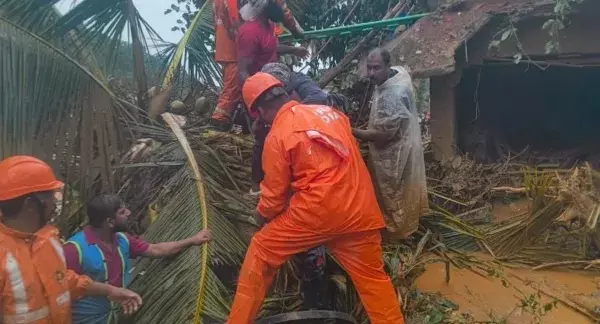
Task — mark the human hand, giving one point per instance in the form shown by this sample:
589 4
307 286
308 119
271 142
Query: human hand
129 300
301 52
201 237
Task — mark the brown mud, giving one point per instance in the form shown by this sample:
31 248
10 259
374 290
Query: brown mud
489 299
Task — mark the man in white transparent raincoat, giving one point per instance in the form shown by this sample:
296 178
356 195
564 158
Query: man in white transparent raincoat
395 148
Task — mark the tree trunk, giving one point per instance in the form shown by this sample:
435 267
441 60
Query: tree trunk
139 70
358 49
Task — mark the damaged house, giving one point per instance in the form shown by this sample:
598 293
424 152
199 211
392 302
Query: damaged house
496 92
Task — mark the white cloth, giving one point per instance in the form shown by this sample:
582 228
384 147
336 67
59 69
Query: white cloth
253 9
398 166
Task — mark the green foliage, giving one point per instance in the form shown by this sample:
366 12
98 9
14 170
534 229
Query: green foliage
54 108
123 67
553 26
533 305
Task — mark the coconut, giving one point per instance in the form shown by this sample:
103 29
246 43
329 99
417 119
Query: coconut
201 105
177 107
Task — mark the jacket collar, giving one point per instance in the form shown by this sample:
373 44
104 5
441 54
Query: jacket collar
285 108
92 239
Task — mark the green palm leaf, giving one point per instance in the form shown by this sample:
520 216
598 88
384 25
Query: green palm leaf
192 54
54 108
101 26
31 15
177 290
38 19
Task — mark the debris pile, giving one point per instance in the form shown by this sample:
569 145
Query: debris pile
557 229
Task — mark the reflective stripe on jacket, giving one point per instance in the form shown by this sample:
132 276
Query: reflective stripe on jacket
97 310
35 284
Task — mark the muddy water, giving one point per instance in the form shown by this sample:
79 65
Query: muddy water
488 299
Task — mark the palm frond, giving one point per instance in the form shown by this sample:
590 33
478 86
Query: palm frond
54 108
192 53
33 16
101 26
193 288
38 19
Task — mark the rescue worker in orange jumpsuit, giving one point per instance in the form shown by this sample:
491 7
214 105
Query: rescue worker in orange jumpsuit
36 287
316 191
226 21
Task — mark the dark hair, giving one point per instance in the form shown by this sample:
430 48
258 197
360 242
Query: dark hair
274 12
385 55
102 207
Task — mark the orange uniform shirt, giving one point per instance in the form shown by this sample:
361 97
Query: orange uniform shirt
225 16
310 153
36 287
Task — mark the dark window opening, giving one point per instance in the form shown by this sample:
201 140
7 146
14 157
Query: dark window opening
548 116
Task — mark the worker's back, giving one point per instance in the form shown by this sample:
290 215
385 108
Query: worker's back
331 186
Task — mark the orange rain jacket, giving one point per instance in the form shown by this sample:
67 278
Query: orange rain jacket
225 16
324 195
35 284
311 155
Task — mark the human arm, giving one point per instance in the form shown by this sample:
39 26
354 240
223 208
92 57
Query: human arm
228 15
233 14
309 91
166 249
389 118
80 286
129 300
244 64
278 176
289 21
72 257
247 50
298 51
372 135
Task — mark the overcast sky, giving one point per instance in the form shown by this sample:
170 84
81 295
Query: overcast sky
152 11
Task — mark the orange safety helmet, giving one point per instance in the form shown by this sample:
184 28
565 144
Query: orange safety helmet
22 175
256 85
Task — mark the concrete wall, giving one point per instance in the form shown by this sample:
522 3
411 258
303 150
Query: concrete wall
582 35
443 115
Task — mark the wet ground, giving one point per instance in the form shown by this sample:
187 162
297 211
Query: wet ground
488 299
498 297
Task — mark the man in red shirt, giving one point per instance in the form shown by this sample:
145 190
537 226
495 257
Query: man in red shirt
103 250
257 44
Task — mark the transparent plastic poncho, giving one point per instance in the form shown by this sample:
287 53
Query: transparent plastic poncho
398 166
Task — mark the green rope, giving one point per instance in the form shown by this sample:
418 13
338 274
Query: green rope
357 28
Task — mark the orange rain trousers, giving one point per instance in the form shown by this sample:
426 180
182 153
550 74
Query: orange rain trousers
230 93
358 253
310 151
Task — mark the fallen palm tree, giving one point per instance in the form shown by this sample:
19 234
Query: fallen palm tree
163 177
